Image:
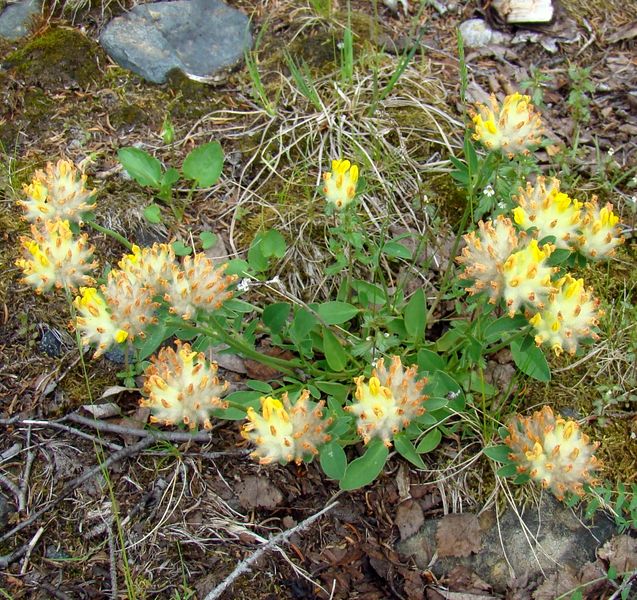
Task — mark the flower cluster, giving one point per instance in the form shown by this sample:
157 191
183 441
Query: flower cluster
388 402
284 432
182 387
552 451
59 193
340 183
569 316
509 264
585 227
53 256
512 128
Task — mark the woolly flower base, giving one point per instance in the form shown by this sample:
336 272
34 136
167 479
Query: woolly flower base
95 322
569 316
132 304
389 402
512 129
198 284
600 233
54 257
340 184
284 432
181 387
58 193
485 254
527 277
552 451
549 211
150 267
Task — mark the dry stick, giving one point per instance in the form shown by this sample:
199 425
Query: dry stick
169 436
244 565
74 431
30 547
24 488
75 483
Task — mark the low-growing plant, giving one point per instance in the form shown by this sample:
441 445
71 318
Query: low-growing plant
362 372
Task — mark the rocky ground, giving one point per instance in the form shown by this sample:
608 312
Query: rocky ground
188 513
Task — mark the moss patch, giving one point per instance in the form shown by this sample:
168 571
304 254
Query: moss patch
59 56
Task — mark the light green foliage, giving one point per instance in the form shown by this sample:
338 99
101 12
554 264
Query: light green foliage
534 85
202 166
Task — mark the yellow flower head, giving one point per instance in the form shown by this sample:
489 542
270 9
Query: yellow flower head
198 284
552 451
340 183
58 193
513 128
527 277
485 254
54 257
132 304
549 211
599 232
569 315
150 267
181 387
388 402
95 321
284 432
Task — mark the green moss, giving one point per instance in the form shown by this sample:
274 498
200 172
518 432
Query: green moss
59 56
128 116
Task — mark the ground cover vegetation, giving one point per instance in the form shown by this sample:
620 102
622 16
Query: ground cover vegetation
380 252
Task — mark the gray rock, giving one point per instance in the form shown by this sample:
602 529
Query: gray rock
198 37
15 18
561 540
476 33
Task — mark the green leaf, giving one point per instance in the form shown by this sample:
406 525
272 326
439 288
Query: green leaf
415 314
507 471
208 239
152 213
181 249
498 453
333 460
429 442
141 166
335 356
335 313
276 315
232 413
366 468
246 399
495 329
429 361
259 386
239 306
204 164
155 335
337 390
302 324
237 266
168 178
433 404
406 449
530 359
273 244
397 250
369 293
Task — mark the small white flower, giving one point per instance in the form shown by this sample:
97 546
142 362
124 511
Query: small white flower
611 152
501 205
489 191
243 285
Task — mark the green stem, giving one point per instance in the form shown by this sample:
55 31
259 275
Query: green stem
116 236
504 343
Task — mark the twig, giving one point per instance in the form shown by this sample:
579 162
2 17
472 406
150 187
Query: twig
169 436
22 497
244 565
8 559
12 487
74 431
73 484
30 547
112 563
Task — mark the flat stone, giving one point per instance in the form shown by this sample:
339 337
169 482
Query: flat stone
198 37
498 552
476 33
15 18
